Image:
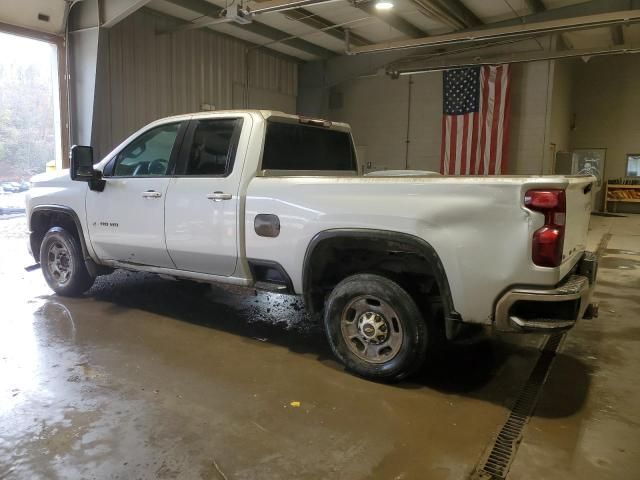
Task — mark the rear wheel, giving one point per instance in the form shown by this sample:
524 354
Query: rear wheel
62 263
375 328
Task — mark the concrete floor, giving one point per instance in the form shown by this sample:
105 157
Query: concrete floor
148 378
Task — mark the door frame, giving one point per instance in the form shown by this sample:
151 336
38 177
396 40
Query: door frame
58 41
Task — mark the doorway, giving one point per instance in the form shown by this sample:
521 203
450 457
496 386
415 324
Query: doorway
30 120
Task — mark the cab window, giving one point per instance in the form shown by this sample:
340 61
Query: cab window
290 146
149 154
212 148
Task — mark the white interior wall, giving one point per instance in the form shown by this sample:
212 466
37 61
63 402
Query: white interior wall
562 106
377 108
607 106
530 107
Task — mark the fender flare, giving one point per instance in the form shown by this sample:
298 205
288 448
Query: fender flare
61 209
416 244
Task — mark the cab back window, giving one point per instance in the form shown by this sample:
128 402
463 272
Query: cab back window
291 146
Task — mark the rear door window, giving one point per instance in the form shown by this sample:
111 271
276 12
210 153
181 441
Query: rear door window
212 147
292 146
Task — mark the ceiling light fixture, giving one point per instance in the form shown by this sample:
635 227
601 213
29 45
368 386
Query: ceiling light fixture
384 5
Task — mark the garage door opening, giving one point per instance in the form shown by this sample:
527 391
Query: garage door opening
30 134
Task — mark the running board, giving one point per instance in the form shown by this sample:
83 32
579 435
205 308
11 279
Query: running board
271 287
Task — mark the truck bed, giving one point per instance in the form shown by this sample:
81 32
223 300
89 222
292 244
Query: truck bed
478 225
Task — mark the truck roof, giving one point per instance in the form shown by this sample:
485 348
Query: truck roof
264 113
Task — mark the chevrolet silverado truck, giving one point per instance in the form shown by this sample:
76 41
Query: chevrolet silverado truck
393 264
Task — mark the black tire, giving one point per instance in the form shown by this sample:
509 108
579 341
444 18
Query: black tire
361 292
63 265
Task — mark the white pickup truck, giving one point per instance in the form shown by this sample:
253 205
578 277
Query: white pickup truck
393 264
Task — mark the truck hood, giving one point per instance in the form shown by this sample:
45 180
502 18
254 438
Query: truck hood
51 178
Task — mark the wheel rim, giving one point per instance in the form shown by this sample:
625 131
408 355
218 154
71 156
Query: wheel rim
59 263
371 329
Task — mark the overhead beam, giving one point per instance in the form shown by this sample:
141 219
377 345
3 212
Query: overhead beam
511 31
395 21
459 10
268 6
113 11
410 68
315 21
581 9
453 13
180 22
285 38
213 11
202 7
536 6
617 35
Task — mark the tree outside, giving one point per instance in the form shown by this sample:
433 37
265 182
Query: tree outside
27 127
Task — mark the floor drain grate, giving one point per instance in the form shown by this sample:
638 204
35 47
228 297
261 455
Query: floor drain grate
506 443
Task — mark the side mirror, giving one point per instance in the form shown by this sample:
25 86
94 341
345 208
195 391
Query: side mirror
82 167
81 163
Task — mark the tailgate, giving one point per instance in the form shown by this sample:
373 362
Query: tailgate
578 195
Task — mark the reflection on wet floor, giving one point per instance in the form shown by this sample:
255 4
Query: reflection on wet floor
237 309
150 378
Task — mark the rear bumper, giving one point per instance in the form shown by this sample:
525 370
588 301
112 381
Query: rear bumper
549 310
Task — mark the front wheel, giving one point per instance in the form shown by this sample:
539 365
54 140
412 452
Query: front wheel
375 328
63 265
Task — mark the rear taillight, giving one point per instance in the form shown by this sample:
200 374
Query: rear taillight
548 240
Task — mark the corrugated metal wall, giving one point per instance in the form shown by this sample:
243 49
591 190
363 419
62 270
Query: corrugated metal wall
143 76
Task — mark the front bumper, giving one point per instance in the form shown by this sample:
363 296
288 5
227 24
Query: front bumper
549 310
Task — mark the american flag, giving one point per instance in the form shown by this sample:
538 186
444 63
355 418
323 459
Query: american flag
475 122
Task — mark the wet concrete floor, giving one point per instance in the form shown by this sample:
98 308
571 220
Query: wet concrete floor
148 378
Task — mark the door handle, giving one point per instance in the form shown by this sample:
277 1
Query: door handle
151 194
218 196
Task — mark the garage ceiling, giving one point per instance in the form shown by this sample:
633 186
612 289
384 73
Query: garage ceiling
305 28
317 31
